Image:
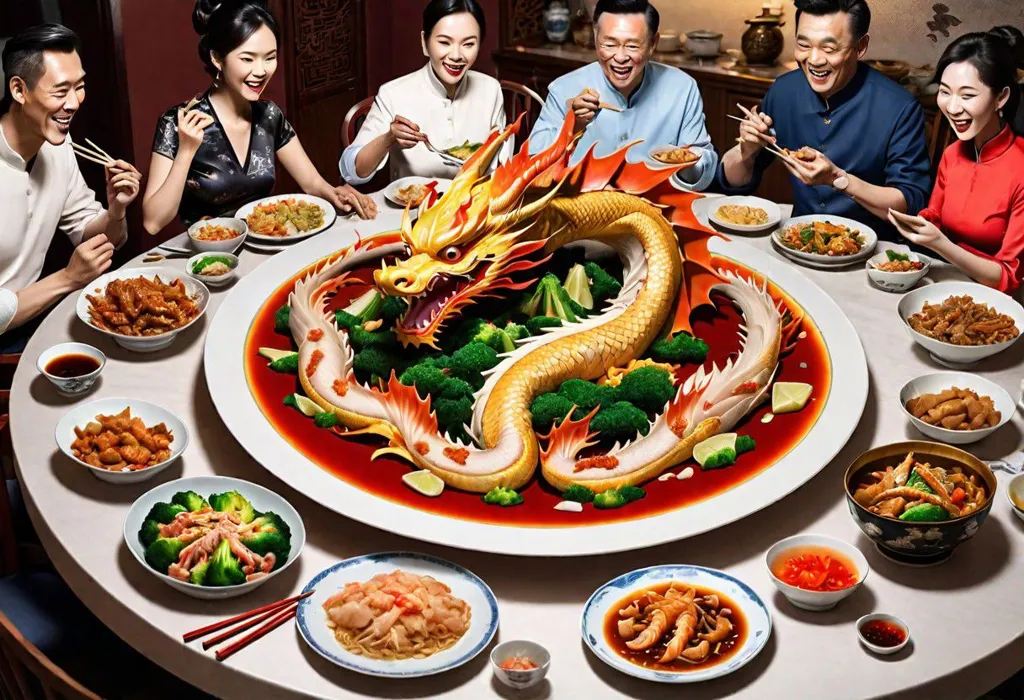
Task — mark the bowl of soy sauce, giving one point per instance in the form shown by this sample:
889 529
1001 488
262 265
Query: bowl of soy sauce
72 367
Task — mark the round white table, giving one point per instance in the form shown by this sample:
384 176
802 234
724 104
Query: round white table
965 616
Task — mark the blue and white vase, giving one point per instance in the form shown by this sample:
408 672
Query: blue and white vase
557 21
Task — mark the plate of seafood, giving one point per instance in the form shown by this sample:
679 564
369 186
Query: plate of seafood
287 218
511 381
397 615
745 214
675 624
823 240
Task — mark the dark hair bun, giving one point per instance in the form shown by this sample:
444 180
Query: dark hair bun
1014 38
202 14
223 25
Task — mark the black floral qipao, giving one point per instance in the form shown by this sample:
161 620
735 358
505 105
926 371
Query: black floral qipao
217 184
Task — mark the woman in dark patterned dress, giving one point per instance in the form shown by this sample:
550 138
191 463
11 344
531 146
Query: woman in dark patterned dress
213 156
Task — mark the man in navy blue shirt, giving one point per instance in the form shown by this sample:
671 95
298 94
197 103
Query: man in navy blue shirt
866 131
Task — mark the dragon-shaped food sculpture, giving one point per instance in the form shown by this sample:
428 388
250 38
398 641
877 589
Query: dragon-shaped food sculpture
476 240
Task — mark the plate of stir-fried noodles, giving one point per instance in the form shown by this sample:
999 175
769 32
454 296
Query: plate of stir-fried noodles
287 218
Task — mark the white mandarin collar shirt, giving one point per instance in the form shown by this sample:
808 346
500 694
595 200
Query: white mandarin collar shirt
36 199
422 98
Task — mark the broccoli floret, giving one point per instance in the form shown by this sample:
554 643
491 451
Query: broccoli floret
190 500
362 338
270 522
547 409
455 388
609 499
325 419
469 361
289 364
504 497
631 493
164 513
587 395
538 323
366 307
291 402
577 286
495 338
233 502
378 361
549 299
198 573
427 379
725 457
163 552
647 388
441 361
602 285
679 349
453 414
392 309
744 443
269 534
580 494
224 569
580 311
516 331
149 532
281 317
620 422
345 321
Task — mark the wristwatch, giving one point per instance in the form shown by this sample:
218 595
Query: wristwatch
841 182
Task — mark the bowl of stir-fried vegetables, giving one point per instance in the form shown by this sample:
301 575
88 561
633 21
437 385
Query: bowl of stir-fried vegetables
825 240
897 270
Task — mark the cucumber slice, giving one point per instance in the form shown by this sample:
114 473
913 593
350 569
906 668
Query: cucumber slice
306 406
275 354
713 444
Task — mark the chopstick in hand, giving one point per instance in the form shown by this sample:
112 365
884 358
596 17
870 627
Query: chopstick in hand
217 626
90 155
274 622
610 108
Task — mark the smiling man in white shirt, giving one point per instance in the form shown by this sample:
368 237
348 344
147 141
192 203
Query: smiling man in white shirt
41 187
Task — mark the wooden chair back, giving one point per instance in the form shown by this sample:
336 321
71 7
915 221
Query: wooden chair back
353 120
521 100
940 135
27 673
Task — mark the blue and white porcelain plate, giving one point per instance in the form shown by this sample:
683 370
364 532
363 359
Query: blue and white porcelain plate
312 619
759 620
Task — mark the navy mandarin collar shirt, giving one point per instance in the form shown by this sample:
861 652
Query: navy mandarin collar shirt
872 128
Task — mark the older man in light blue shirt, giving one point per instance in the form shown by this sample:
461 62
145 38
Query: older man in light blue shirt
659 104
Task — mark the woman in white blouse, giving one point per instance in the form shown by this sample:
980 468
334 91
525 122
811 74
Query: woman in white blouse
444 102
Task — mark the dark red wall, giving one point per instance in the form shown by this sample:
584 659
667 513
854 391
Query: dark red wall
393 39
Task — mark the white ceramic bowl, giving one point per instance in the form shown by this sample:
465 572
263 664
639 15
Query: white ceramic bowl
151 414
150 343
220 280
884 651
896 281
867 235
816 600
224 246
947 353
773 210
263 500
940 381
71 386
520 680
1015 488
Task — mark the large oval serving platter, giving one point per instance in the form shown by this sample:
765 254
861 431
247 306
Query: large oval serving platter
755 612
311 618
498 531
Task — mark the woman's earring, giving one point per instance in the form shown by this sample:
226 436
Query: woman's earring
216 80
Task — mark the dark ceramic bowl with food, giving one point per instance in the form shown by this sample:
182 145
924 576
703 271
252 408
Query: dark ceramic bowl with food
213 269
918 501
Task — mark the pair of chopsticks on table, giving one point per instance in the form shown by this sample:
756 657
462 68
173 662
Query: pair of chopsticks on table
771 149
272 616
95 153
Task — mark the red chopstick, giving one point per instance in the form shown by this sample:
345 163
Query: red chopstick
248 639
214 641
217 626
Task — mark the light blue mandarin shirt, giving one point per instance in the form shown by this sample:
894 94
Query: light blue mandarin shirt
665 110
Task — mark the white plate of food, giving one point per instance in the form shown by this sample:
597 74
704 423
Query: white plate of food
954 344
745 214
259 535
120 440
674 155
287 218
731 624
957 408
182 301
221 235
896 270
338 620
412 191
826 240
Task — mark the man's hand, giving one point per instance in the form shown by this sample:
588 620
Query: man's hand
89 260
123 183
817 172
346 200
755 133
585 106
405 133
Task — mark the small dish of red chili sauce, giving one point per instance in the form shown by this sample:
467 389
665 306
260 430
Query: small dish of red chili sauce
882 633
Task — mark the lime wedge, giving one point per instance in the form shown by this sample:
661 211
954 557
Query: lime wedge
790 397
424 482
307 406
274 354
713 444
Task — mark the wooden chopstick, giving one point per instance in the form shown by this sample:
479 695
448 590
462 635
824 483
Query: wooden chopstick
87 155
610 108
218 626
259 632
101 151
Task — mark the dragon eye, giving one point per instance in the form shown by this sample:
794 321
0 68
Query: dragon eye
451 253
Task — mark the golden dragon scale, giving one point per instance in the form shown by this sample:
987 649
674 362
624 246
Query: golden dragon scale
468 244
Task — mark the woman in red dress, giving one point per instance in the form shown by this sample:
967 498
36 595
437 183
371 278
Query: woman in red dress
975 218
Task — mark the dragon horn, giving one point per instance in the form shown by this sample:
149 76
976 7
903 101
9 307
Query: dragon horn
512 178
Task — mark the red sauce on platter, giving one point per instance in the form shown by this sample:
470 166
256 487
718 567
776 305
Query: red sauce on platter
815 569
72 365
883 633
349 458
649 658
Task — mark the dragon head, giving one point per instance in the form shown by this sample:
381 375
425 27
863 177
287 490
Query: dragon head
467 244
